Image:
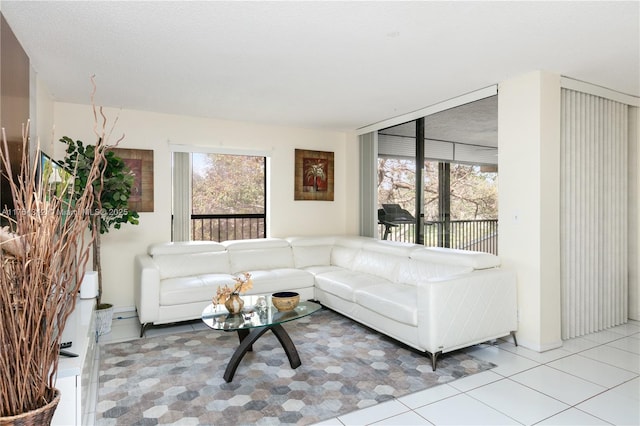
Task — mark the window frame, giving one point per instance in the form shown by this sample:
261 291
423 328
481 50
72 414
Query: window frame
185 204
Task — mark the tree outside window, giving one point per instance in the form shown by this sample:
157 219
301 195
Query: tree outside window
227 189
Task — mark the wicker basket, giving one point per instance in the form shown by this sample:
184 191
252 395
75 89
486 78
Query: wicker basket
38 417
104 316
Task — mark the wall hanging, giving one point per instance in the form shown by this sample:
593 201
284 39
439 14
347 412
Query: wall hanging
314 175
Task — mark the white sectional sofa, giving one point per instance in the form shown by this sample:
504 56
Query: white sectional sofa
433 299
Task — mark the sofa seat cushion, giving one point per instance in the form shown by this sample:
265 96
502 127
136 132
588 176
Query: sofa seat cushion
398 302
270 281
183 290
343 283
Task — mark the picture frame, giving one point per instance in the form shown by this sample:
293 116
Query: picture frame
140 162
314 177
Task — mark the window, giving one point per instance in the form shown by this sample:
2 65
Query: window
442 169
473 191
227 196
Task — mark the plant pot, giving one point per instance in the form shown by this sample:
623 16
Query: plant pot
104 316
39 416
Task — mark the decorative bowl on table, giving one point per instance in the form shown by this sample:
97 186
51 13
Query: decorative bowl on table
285 300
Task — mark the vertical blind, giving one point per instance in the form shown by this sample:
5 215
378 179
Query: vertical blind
181 196
368 184
593 209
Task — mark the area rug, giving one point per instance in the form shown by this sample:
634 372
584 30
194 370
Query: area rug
345 367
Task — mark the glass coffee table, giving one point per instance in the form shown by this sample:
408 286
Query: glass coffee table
257 317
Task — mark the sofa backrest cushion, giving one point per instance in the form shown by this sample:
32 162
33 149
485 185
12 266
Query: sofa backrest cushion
412 271
260 259
311 251
345 249
343 256
184 265
352 241
311 241
255 243
474 259
380 264
185 247
305 256
395 248
259 254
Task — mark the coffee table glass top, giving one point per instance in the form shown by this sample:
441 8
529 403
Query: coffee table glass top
258 311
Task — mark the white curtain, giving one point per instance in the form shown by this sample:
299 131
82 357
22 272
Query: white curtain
181 196
594 209
368 184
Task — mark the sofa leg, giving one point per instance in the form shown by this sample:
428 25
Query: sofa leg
143 328
515 341
434 359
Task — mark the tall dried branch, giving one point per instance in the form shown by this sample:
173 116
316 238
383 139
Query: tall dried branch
44 252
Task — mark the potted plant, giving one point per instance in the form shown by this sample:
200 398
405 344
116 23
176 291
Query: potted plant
43 251
110 208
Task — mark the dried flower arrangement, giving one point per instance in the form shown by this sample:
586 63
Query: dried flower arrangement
243 284
43 254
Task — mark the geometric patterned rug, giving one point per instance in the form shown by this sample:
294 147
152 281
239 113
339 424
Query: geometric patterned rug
345 367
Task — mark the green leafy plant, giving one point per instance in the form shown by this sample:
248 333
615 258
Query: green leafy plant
110 209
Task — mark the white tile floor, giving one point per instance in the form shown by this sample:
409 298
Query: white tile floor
591 380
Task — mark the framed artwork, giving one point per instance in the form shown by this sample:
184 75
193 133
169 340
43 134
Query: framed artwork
140 162
313 175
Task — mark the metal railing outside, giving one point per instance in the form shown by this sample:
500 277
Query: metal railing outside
477 235
223 227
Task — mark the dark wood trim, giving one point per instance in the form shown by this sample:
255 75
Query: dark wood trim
14 103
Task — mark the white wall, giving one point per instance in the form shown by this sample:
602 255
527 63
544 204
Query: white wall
352 183
146 130
43 115
528 196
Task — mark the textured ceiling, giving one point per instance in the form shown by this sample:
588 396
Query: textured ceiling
475 123
331 65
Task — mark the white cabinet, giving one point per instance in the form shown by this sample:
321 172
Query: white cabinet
74 374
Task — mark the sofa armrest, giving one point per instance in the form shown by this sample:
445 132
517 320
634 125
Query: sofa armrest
147 288
466 309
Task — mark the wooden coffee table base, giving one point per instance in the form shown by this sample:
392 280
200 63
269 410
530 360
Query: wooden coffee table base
248 338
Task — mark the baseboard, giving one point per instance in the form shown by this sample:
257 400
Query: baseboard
537 347
124 309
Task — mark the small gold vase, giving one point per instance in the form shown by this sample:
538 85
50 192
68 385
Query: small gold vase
234 303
